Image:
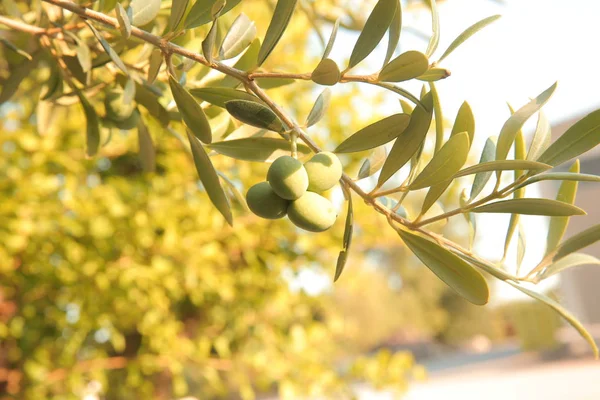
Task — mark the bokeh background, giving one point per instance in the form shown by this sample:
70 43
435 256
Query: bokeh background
116 283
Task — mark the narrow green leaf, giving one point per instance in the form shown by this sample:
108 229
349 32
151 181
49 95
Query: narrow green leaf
445 163
378 22
147 152
53 85
521 248
319 108
577 242
406 66
178 8
394 33
433 194
92 126
517 194
456 273
409 141
281 18
584 135
124 19
435 27
190 111
502 165
255 114
129 92
208 44
239 37
558 225
570 261
331 40
376 134
434 74
439 119
470 31
327 73
218 96
200 13
560 176
149 100
109 50
273 83
84 56
530 207
210 179
348 229
465 122
144 11
258 149
246 62
406 107
156 60
516 121
11 46
482 178
235 192
373 163
541 138
560 310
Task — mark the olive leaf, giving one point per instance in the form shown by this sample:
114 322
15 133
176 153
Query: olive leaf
435 27
464 122
331 40
92 126
272 83
210 179
502 165
238 38
109 50
327 73
516 121
409 141
521 248
584 135
394 33
455 272
246 62
11 46
255 114
373 163
434 74
318 109
124 19
156 59
517 194
445 163
577 242
467 33
558 225
147 152
348 229
208 43
433 194
439 119
408 65
258 149
376 134
482 178
190 111
218 96
375 27
541 138
530 207
201 12
281 18
560 176
570 261
144 11
178 8
149 100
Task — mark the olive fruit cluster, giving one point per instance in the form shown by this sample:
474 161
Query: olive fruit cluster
293 189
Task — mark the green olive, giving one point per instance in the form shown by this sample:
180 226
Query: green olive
263 201
116 109
324 171
312 212
288 178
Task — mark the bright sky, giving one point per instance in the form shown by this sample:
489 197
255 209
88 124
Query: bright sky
534 44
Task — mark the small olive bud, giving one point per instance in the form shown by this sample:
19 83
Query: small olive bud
263 201
288 178
324 171
312 212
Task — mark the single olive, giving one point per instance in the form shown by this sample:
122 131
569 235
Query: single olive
263 201
324 171
312 212
288 178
